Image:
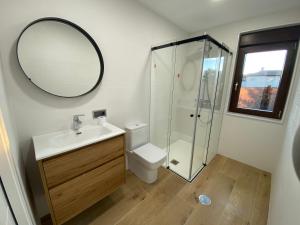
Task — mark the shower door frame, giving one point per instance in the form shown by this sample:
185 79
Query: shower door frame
198 38
196 113
206 38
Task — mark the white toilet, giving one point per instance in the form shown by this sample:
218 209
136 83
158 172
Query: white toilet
143 158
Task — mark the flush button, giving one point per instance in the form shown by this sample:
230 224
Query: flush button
98 113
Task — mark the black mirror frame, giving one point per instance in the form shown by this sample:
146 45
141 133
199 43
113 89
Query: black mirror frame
92 41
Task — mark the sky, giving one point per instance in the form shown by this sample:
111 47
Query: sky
270 60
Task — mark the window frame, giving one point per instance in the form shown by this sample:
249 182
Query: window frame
259 43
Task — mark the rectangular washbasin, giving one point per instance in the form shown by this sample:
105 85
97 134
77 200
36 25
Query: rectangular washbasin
56 143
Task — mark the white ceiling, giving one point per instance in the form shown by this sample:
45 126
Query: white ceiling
195 15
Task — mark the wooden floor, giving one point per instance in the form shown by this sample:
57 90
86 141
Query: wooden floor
239 193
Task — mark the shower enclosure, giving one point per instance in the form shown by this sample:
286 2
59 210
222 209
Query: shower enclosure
187 80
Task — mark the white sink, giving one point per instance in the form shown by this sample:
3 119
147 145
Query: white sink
55 143
69 137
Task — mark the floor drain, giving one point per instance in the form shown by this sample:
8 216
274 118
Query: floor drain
174 161
204 200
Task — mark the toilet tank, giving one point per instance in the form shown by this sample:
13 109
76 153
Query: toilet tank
136 135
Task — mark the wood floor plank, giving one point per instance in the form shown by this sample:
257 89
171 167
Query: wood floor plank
153 204
261 202
231 217
243 193
240 196
176 212
219 190
233 168
191 190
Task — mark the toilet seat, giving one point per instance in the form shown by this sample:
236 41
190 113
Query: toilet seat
150 153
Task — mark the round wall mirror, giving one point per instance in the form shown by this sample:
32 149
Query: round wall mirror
59 57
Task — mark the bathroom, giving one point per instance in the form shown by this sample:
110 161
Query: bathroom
125 31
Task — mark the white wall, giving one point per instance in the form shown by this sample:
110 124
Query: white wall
6 216
12 170
285 194
124 31
252 141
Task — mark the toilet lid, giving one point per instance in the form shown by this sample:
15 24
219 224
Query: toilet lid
150 153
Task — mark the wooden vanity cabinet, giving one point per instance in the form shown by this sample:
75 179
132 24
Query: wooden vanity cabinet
76 180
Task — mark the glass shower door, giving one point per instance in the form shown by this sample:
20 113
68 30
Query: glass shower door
186 81
213 144
206 106
162 72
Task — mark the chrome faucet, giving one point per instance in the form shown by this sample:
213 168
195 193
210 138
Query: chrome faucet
77 123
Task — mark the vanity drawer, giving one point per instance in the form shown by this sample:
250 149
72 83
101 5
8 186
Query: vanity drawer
76 195
69 165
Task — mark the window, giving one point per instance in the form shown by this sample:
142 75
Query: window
263 72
